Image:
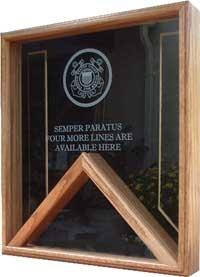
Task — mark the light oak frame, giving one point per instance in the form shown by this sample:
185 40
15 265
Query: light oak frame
189 135
94 167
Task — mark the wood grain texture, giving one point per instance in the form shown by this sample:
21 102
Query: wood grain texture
11 139
16 137
117 193
182 137
61 194
96 24
190 219
92 258
131 209
189 135
7 233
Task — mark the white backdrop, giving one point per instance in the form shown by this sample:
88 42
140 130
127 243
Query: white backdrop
29 13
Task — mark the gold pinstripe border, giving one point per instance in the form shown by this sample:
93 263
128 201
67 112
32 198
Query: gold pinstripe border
160 133
44 52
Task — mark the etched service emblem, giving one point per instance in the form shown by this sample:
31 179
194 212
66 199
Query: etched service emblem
87 77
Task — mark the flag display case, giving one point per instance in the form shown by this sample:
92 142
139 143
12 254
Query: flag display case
100 135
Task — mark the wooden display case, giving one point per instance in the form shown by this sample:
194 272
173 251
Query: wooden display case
125 89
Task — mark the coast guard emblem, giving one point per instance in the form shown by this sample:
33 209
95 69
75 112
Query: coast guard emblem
87 77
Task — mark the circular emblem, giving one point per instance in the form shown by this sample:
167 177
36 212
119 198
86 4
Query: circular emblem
87 77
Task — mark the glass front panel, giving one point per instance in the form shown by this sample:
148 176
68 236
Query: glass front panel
114 93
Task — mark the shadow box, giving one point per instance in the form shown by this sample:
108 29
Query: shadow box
100 135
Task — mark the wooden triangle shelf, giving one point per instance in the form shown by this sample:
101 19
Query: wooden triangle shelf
93 166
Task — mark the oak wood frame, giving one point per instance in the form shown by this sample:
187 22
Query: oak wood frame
93 166
189 138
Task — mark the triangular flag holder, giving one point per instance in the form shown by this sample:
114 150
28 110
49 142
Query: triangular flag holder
93 166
